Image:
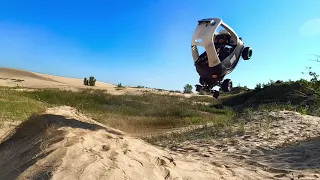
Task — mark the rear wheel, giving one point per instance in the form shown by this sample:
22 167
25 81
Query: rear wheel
246 53
216 94
226 85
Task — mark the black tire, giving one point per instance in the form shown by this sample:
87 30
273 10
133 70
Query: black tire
226 85
202 81
216 94
246 53
198 88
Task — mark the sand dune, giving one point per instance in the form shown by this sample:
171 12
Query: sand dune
278 145
25 79
64 144
13 77
16 74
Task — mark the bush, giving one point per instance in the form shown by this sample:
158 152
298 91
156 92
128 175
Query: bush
187 89
89 82
174 91
119 85
92 81
258 86
85 82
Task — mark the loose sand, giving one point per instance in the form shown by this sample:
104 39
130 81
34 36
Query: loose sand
63 144
275 145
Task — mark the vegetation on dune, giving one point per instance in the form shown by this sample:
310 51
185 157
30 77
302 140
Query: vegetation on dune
119 85
139 86
138 111
14 106
89 82
155 111
175 91
187 89
301 95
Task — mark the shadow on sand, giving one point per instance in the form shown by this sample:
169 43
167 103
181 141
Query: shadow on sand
28 142
300 156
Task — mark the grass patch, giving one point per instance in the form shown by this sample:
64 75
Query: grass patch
301 96
14 106
155 111
221 127
121 111
294 95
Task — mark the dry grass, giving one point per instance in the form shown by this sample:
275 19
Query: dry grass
130 113
150 113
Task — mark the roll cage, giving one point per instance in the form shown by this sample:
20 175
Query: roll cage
204 36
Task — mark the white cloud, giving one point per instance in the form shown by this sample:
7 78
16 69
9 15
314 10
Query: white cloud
311 27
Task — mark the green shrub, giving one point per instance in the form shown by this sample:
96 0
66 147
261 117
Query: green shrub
188 88
85 82
92 81
258 86
119 85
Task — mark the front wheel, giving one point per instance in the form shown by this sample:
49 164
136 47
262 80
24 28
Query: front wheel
198 88
246 53
226 85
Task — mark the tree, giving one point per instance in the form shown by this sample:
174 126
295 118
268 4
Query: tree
85 82
258 86
314 83
314 75
92 81
119 85
317 56
187 88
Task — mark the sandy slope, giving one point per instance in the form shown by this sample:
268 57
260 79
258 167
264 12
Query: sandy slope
26 79
280 145
64 144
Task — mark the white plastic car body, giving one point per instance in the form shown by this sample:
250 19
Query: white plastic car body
222 53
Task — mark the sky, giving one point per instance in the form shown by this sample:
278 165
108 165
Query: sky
148 42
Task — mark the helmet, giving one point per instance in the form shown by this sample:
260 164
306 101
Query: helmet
224 32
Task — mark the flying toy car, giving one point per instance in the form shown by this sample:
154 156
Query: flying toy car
222 54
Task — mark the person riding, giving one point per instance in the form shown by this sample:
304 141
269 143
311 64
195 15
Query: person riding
222 40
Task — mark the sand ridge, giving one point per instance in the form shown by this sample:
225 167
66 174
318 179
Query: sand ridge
26 79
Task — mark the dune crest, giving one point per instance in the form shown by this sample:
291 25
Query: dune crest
26 79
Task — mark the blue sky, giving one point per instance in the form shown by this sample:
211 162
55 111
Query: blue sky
147 42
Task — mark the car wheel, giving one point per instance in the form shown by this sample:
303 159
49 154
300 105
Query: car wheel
246 53
198 88
216 94
202 81
226 85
